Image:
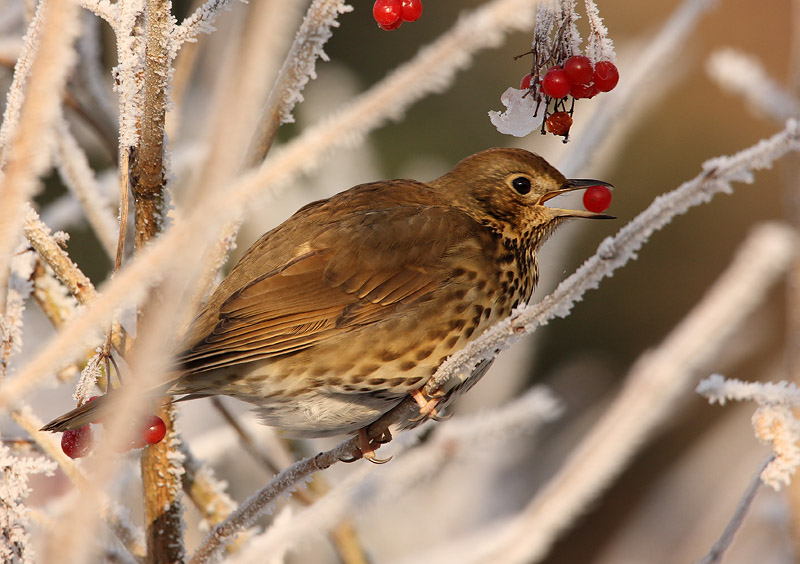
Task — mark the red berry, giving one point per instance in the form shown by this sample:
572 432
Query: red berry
597 198
582 91
555 83
77 443
559 123
525 83
579 69
605 76
387 12
412 10
392 27
154 430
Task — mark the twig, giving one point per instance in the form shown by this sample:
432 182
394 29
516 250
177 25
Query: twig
57 258
22 155
725 540
616 251
651 389
261 501
297 70
161 463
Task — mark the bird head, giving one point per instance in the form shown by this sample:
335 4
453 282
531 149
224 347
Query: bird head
506 189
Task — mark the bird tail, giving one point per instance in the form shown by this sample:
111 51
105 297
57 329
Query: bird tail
82 415
98 408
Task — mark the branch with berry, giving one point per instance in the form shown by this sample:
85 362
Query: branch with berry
560 72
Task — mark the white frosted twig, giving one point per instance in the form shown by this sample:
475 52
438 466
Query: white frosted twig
365 488
719 390
15 516
22 70
743 75
599 47
777 426
614 252
725 540
129 74
201 21
774 421
20 287
57 258
650 391
103 9
297 70
430 71
22 145
78 176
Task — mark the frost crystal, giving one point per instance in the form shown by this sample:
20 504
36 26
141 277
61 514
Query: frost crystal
14 515
518 119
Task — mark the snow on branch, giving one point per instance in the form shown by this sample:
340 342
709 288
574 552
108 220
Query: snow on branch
20 287
774 421
103 9
201 21
14 517
651 389
307 47
366 488
743 74
614 252
23 158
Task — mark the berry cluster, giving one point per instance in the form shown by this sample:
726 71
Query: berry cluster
574 76
390 14
77 443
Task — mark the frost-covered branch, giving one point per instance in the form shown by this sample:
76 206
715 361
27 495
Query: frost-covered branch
103 9
23 158
774 421
650 391
14 515
201 21
615 252
297 70
743 74
57 258
456 438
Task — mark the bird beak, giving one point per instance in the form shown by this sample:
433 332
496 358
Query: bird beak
570 186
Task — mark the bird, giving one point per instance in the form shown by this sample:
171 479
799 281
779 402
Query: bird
335 316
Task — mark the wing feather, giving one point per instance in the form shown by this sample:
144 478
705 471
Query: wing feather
369 267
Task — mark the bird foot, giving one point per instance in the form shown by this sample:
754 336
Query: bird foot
368 446
427 407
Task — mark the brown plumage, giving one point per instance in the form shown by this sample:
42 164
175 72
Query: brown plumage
331 318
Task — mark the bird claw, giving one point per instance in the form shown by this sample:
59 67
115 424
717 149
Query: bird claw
427 407
365 445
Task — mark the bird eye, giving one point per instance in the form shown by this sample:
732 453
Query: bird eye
522 184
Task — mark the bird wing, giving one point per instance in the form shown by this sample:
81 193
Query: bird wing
366 268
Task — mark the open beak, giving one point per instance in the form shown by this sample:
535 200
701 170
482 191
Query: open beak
570 186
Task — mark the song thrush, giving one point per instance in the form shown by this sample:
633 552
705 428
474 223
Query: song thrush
333 317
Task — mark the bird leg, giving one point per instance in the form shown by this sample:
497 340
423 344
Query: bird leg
365 444
427 407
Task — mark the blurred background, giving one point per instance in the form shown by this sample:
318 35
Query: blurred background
674 499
